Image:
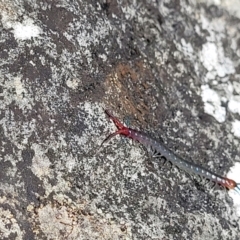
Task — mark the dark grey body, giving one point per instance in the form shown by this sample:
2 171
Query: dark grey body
160 150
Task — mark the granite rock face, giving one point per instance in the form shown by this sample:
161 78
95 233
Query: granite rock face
169 68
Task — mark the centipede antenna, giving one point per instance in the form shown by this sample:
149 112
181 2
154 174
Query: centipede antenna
106 140
110 136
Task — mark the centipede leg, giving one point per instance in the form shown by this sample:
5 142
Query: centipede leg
153 152
199 179
163 160
213 186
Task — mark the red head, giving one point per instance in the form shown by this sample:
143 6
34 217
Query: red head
122 130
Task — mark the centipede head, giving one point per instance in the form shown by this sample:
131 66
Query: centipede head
122 130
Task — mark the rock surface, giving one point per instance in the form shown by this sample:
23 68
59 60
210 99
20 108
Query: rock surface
170 67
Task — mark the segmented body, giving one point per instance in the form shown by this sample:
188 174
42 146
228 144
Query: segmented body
162 151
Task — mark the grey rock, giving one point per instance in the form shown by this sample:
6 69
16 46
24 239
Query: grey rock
171 67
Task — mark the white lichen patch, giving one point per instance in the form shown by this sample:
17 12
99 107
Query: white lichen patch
218 66
214 60
212 103
40 162
213 57
234 104
73 83
20 90
71 163
26 30
236 128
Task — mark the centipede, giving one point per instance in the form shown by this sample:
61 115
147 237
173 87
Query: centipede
160 150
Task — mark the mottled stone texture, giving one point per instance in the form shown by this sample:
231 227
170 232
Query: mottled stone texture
62 63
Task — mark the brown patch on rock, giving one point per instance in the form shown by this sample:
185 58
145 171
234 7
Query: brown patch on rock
128 88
